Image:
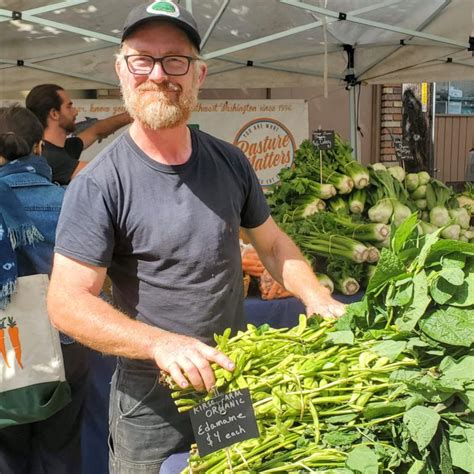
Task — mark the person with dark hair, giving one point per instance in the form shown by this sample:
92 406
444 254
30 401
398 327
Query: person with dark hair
56 112
29 208
160 210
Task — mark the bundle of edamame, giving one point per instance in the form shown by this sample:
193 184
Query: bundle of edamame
322 400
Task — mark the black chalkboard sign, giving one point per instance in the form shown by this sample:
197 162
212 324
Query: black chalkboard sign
223 421
402 150
323 139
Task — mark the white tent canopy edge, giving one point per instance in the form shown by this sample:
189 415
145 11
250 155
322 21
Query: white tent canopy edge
279 54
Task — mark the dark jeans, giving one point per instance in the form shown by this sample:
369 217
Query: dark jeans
145 425
51 446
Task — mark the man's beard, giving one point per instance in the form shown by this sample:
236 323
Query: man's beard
68 126
157 106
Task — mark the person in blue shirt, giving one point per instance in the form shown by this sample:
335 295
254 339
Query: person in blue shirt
29 207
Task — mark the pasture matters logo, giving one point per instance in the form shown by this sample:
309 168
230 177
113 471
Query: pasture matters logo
268 145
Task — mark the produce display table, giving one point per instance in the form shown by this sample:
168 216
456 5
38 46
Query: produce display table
278 313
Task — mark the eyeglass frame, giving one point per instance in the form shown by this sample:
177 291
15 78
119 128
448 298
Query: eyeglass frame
158 60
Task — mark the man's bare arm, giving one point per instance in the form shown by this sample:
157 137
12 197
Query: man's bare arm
282 258
103 128
76 309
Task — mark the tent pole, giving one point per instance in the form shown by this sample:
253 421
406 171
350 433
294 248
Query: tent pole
351 84
433 163
353 120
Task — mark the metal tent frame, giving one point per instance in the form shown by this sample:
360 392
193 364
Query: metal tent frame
261 54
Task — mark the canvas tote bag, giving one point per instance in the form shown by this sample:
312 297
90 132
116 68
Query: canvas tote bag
32 381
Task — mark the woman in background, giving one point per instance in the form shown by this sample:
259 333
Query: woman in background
29 208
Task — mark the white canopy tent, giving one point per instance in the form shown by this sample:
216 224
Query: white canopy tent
249 43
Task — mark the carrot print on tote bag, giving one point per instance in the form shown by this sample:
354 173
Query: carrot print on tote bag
32 380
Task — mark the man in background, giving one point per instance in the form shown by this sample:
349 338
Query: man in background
56 112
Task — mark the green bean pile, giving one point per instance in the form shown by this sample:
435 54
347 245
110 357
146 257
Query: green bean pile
317 393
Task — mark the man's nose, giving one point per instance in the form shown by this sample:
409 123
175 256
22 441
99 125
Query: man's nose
158 73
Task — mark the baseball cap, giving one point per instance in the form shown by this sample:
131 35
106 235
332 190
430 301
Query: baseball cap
163 10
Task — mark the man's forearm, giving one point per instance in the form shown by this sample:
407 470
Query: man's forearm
110 124
103 128
96 324
288 266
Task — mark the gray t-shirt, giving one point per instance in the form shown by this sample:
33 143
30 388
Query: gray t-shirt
169 235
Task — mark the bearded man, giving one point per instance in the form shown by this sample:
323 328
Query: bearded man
159 211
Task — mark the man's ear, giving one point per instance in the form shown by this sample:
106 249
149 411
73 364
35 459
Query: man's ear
202 72
54 115
118 66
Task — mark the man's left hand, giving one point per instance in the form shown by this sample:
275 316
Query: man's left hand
323 304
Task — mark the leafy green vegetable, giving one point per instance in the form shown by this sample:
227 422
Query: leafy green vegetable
455 276
403 232
341 438
461 445
389 266
391 349
442 291
464 295
450 325
362 460
421 299
422 423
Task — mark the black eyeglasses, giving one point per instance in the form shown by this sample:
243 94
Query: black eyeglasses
142 64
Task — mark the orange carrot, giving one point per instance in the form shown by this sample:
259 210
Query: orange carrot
14 334
3 349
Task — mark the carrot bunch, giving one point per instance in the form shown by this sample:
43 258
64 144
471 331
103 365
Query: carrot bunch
251 264
271 289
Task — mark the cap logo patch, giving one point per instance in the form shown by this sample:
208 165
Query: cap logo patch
163 8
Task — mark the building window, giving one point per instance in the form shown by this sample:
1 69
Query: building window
455 98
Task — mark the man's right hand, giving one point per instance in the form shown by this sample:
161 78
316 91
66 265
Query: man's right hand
188 360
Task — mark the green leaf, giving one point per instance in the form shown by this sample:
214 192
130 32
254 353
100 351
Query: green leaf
403 295
403 232
442 291
461 372
388 267
455 276
445 461
409 318
426 386
446 247
344 323
462 369
362 460
422 423
340 438
450 325
430 241
340 338
461 445
457 260
467 396
418 467
390 349
464 295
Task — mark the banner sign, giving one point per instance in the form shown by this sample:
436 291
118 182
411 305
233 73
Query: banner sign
267 131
